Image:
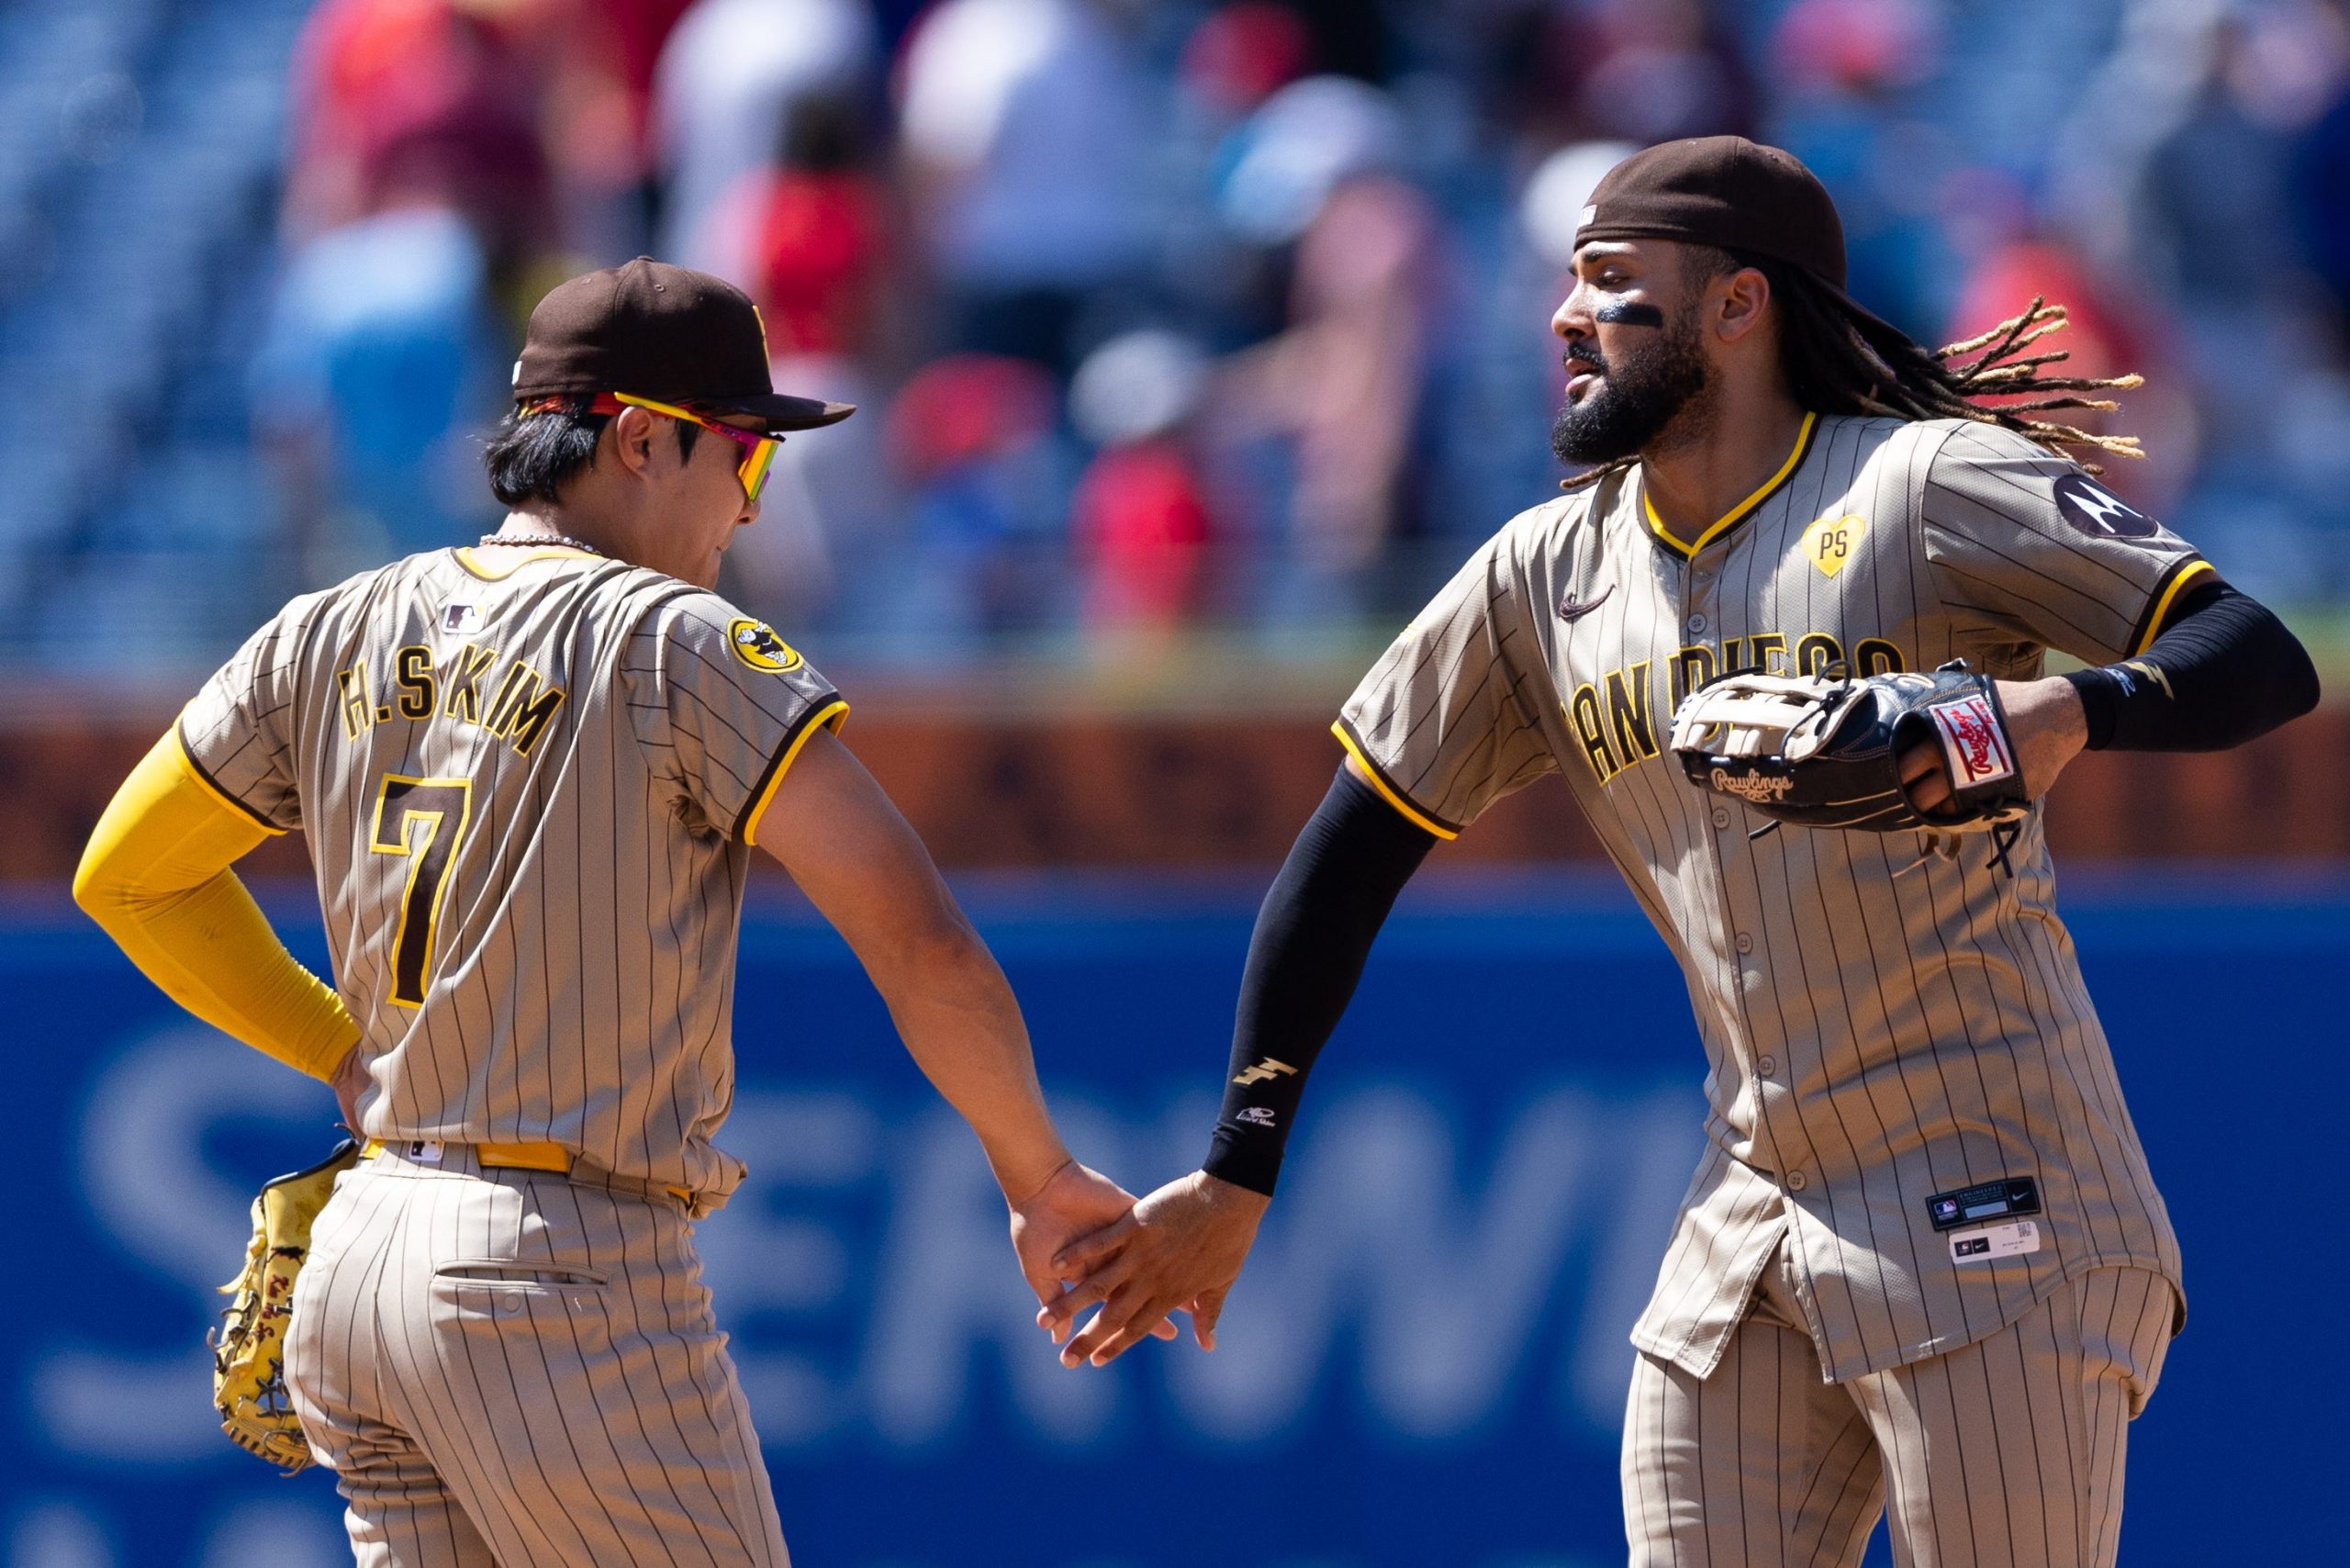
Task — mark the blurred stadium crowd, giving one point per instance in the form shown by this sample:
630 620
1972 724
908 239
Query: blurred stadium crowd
1163 317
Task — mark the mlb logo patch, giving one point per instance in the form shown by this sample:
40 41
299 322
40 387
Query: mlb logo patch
1972 743
460 619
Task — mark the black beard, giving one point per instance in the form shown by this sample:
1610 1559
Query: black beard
1635 402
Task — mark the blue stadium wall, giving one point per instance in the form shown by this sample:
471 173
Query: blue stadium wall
1425 1362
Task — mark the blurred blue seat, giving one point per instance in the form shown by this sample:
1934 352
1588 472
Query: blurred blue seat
133 247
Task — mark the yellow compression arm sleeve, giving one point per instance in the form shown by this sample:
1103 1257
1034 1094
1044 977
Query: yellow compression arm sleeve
156 877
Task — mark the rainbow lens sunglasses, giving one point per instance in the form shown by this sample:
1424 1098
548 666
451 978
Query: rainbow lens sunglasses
758 450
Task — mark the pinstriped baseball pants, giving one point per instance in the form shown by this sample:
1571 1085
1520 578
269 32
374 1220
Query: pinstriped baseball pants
509 1368
2006 1453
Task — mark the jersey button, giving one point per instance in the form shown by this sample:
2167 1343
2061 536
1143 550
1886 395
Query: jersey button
1766 1066
1797 1182
1721 817
1745 943
1697 623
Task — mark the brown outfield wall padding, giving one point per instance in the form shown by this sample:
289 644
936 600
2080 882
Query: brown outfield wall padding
1198 790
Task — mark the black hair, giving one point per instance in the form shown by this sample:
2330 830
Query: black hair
533 454
1838 361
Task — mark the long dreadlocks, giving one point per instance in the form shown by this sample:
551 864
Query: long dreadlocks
1838 362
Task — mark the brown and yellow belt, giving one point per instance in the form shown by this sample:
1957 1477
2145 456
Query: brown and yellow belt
551 1158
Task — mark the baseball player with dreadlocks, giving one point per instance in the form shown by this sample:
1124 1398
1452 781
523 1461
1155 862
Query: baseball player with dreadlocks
1923 1262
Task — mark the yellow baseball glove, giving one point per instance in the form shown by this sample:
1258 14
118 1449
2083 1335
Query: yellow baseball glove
248 1351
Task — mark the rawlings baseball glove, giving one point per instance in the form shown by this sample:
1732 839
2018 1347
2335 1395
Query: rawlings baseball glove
248 1351
1825 751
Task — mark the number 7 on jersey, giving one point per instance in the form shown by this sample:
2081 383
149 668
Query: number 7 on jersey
419 813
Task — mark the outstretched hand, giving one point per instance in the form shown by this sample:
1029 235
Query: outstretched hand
1181 1248
1074 1202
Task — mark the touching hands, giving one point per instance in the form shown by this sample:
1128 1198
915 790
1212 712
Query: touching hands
1181 1248
1074 1202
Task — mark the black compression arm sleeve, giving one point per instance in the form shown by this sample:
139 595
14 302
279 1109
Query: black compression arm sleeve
2226 671
1312 934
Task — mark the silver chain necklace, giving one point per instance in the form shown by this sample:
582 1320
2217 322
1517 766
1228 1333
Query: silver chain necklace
563 539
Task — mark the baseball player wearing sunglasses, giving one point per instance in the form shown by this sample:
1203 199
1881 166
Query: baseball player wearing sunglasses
533 773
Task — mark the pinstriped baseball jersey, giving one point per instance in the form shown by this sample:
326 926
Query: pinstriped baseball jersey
531 790
1908 1080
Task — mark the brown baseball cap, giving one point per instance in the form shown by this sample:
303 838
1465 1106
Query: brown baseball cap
1727 192
1723 191
665 332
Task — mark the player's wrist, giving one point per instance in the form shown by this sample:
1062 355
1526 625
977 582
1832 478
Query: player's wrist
1024 1172
2048 726
1223 1196
2051 701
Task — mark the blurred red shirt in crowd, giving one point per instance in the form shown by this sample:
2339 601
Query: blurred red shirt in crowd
407 101
2006 280
597 60
2109 330
815 252
626 36
967 408
1142 529
1240 54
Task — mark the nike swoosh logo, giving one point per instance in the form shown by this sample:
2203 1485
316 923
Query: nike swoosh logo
1573 608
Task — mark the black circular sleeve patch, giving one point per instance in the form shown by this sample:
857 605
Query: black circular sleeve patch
2096 511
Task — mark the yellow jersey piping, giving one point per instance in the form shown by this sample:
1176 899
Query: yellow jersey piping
831 716
464 554
1387 791
2185 574
1729 518
195 771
